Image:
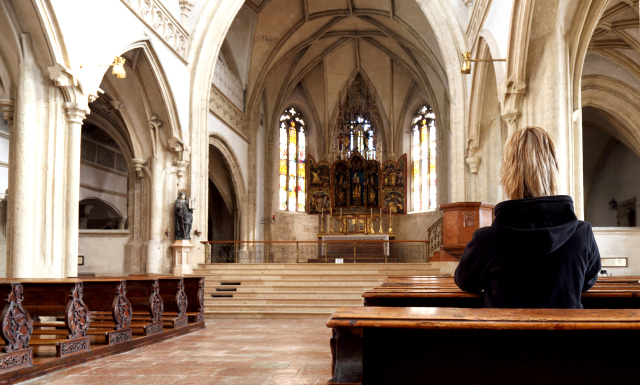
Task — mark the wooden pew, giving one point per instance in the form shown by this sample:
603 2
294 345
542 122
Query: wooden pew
143 294
183 299
612 296
373 345
62 299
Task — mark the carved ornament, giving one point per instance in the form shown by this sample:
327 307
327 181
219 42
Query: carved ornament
200 316
181 300
228 113
122 311
17 325
77 315
162 23
156 306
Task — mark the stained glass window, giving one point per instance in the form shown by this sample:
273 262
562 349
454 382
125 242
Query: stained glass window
423 159
293 157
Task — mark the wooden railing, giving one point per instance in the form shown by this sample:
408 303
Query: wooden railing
373 251
434 233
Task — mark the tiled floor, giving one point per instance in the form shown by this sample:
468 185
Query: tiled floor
244 352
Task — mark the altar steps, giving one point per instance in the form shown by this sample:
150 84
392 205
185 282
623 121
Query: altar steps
293 290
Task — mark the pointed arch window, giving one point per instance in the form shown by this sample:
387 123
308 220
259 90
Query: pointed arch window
292 161
423 156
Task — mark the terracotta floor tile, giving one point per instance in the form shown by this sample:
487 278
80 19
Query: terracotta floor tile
244 352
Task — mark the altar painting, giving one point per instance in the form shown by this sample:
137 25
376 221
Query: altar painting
320 201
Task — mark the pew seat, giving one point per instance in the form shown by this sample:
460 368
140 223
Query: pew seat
381 345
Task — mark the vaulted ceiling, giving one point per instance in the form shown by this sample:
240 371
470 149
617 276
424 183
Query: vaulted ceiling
617 35
319 47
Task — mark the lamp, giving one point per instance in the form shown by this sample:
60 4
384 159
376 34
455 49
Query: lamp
466 62
118 67
613 205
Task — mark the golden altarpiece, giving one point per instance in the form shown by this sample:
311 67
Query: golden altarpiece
357 189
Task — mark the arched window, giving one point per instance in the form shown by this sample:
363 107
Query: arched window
423 136
292 160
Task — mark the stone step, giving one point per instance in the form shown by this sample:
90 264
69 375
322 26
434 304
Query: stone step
301 308
325 272
311 266
288 282
289 295
266 314
278 302
327 277
295 289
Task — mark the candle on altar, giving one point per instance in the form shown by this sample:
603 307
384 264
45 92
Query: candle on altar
340 212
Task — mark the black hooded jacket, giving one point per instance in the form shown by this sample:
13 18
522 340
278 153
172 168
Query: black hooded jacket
535 254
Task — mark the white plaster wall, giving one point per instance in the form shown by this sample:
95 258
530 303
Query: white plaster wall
103 251
615 242
4 149
237 143
617 179
98 178
498 22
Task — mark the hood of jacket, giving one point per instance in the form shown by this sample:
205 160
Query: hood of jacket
543 224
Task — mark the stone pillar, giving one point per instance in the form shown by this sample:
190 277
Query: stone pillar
154 246
23 163
181 257
75 116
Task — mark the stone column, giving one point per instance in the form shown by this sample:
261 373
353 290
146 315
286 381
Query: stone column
23 163
154 246
75 117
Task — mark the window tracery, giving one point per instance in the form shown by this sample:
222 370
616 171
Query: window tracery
423 156
292 161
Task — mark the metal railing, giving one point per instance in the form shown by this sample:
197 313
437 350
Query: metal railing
434 233
373 251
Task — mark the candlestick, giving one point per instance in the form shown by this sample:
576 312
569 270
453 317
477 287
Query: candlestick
380 221
322 220
331 221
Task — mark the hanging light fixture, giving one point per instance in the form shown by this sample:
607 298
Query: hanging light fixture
613 205
466 62
118 67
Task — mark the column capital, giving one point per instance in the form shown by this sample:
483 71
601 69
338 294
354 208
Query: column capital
474 163
138 165
76 113
511 117
7 107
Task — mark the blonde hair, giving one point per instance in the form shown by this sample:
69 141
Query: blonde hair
529 165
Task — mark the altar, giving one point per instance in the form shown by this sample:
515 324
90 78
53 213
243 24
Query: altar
355 248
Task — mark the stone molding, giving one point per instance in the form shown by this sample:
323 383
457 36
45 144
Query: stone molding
103 233
162 23
479 11
229 84
185 10
226 111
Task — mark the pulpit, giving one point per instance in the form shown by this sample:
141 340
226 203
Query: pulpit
459 221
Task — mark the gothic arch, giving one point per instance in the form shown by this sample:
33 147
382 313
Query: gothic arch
222 145
619 102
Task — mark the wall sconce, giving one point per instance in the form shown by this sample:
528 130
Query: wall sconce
613 205
118 67
197 233
466 62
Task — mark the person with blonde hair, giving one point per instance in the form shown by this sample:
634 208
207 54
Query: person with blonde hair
536 253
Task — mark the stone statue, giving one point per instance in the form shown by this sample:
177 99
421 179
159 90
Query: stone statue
184 217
